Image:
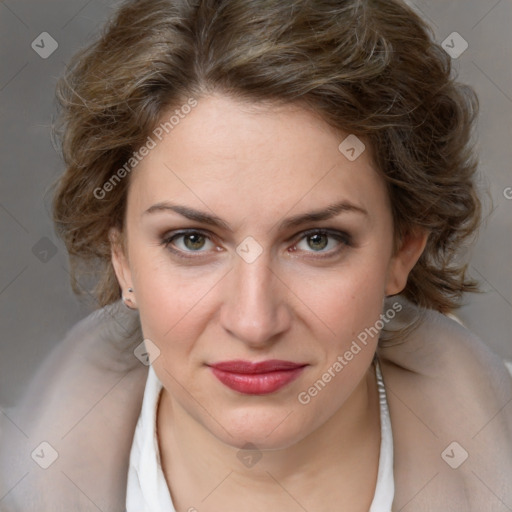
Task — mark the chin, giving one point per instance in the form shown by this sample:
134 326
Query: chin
264 429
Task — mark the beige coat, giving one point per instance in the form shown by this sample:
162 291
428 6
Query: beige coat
443 384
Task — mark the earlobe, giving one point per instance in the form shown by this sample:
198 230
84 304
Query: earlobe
121 266
404 260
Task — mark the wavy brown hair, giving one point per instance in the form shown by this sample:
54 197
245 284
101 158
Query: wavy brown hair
367 67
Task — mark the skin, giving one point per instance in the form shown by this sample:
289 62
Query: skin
253 167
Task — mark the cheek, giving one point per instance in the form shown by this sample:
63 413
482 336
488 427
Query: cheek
162 298
350 306
174 303
348 300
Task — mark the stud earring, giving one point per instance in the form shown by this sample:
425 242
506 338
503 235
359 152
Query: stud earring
127 299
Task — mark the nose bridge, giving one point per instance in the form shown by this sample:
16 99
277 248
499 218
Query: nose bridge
253 309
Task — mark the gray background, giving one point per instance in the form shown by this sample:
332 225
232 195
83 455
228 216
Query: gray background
37 306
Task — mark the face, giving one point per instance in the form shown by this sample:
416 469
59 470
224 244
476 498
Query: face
227 268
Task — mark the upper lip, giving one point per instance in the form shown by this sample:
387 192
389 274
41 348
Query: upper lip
249 367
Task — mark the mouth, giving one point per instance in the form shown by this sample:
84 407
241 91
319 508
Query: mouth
259 378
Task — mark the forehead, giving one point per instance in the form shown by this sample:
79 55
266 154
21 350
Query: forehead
252 155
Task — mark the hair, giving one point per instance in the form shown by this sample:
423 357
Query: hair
368 67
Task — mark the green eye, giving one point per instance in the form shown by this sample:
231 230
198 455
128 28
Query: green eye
186 242
191 241
319 239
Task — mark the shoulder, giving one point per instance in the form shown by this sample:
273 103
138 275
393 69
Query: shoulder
443 361
94 357
83 403
441 349
450 400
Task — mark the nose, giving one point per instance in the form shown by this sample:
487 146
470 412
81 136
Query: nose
254 308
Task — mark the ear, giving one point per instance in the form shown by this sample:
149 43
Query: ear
403 261
121 265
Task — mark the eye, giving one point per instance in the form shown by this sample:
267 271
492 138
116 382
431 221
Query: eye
186 242
320 239
189 241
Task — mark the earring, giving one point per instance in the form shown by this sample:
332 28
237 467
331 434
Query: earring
126 300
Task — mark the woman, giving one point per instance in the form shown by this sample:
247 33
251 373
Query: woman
278 192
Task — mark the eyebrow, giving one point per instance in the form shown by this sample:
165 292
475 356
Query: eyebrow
329 212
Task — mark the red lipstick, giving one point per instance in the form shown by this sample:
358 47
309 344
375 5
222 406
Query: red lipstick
256 378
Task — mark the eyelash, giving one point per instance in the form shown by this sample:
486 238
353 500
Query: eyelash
340 236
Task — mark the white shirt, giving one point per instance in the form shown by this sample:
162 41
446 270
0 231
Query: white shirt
147 489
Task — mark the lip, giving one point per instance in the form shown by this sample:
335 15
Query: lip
256 378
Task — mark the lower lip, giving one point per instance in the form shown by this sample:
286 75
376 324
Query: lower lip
257 383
